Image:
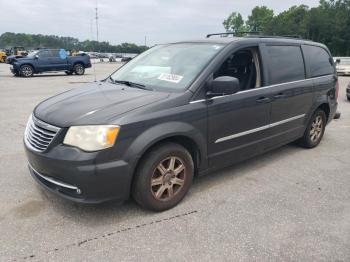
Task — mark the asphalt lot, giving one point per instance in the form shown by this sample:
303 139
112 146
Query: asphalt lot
291 204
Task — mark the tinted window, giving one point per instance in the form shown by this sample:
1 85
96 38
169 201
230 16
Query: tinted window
320 62
54 53
285 64
44 54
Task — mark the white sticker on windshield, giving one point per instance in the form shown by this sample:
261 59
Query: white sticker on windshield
170 78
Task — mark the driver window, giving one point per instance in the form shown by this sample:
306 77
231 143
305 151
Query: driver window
243 65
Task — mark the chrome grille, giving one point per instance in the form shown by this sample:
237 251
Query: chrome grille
38 134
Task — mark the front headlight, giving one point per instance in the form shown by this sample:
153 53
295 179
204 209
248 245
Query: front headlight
91 138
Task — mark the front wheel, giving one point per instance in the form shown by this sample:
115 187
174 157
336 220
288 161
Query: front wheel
79 69
315 130
26 71
163 177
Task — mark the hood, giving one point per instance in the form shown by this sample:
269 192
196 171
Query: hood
15 59
92 104
20 58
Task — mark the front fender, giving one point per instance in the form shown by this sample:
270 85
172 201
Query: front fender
163 131
18 65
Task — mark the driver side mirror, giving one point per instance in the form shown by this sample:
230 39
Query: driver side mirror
223 85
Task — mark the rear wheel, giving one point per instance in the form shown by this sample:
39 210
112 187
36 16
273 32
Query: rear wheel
315 130
79 69
26 71
163 177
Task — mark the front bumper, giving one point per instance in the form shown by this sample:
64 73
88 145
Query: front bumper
79 176
333 110
14 70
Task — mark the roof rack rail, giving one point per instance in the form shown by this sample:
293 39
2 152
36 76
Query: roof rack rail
234 33
254 34
278 36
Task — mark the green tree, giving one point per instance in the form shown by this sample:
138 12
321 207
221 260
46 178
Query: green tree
290 22
234 22
259 18
327 23
51 41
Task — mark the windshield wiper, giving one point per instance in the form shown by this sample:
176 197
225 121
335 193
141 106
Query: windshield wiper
129 83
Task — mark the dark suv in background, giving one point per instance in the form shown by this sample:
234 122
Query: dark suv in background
49 60
180 110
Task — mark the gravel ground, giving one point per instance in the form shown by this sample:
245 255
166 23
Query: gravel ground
291 204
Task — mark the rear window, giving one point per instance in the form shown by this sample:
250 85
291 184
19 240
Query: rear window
285 64
320 62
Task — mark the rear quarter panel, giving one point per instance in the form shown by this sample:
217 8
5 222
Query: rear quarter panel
84 59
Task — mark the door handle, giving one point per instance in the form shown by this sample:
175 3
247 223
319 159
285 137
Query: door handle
280 95
263 100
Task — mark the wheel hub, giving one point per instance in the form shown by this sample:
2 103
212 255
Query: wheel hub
167 178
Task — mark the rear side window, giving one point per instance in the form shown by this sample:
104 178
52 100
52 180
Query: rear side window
320 62
285 64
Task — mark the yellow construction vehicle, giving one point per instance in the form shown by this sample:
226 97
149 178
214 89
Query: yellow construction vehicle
2 56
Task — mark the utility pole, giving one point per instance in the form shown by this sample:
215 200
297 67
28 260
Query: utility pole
91 30
145 40
96 17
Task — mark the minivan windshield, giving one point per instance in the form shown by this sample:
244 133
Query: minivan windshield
167 67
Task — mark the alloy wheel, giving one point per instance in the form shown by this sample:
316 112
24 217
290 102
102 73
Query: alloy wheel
26 71
168 178
79 69
316 129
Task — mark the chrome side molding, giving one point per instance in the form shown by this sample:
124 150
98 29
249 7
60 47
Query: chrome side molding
251 131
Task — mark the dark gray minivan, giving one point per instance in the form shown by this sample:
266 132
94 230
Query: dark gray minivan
180 110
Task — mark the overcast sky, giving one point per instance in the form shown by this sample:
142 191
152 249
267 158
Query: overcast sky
128 20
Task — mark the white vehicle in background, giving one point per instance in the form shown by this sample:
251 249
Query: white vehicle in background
114 57
343 65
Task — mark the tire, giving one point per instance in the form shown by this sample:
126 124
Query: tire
69 73
348 98
170 184
79 69
315 130
26 71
